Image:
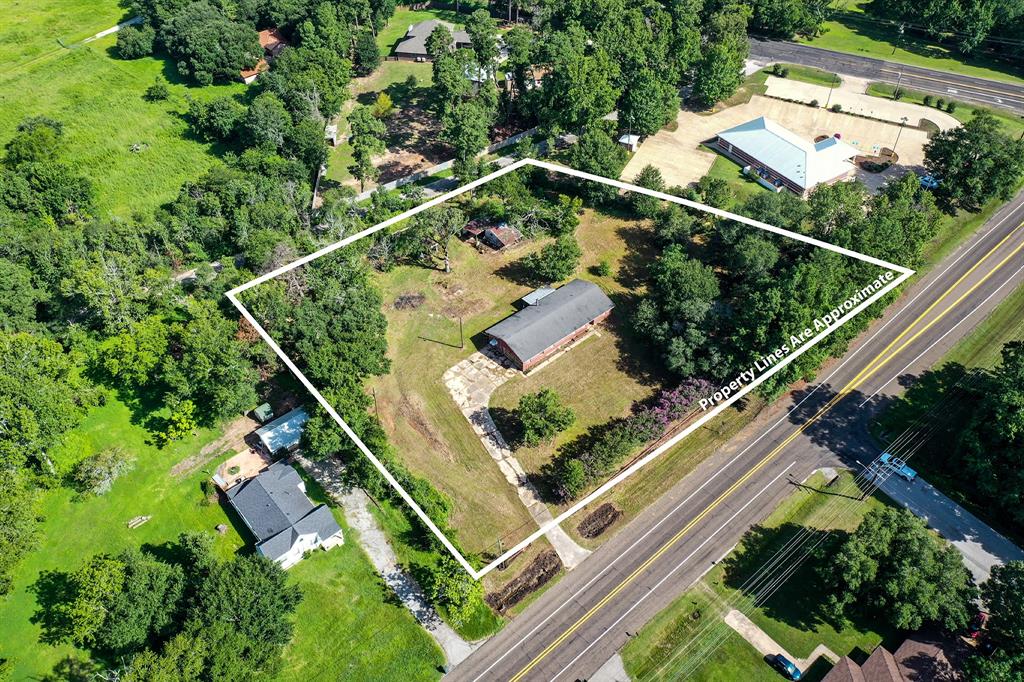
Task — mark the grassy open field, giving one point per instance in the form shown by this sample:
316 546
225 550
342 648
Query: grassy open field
34 29
431 435
787 616
99 99
852 30
344 599
809 74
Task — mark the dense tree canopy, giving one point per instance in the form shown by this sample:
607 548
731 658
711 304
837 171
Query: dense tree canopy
893 567
975 162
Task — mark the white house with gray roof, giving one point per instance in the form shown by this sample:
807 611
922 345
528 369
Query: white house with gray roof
779 158
550 320
286 524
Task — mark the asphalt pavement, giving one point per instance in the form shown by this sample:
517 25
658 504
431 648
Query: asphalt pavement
590 614
931 81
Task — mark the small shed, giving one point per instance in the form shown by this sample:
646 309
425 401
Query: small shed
534 297
501 236
630 141
285 432
331 134
263 413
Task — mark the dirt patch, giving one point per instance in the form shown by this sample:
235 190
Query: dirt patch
413 414
545 567
409 301
597 521
232 440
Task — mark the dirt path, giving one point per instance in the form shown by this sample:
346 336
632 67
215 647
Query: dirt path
232 440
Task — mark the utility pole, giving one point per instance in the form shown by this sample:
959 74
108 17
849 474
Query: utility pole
903 122
896 92
832 87
462 336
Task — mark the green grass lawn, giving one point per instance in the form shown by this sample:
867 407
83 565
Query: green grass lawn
743 186
809 74
390 77
849 32
981 348
1013 125
344 603
99 100
34 29
405 17
663 648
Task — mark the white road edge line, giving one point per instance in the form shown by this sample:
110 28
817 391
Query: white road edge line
948 332
668 575
232 295
979 238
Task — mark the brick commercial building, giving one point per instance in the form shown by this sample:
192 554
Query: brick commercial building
549 321
779 158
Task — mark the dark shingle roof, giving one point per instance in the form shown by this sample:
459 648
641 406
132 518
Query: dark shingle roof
536 328
415 41
277 510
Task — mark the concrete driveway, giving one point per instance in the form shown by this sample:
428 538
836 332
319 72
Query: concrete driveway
981 546
681 160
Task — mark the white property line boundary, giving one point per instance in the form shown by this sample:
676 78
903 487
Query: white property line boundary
904 274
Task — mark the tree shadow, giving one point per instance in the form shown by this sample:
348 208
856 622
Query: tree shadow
509 425
51 589
71 669
754 566
642 250
518 272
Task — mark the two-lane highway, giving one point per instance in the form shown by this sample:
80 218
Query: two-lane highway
940 83
589 615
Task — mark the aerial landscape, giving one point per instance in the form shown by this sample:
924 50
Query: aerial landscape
662 340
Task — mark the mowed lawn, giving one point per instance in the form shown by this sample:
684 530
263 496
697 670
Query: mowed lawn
34 29
854 31
345 602
666 647
99 99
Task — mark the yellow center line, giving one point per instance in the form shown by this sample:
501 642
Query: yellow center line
861 377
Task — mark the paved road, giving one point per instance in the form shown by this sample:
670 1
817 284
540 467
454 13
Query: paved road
940 83
584 619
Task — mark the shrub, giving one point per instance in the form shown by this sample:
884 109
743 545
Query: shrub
603 269
95 475
814 103
134 42
951 106
383 107
158 91
940 103
929 100
215 120
556 261
207 488
543 416
837 108
572 479
412 81
784 72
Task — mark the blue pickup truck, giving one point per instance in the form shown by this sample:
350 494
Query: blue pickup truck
897 466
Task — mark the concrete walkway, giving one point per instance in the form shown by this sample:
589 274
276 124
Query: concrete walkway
356 505
614 670
981 546
767 646
471 383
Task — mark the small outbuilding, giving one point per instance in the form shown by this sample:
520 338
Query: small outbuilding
284 433
551 322
272 42
630 141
